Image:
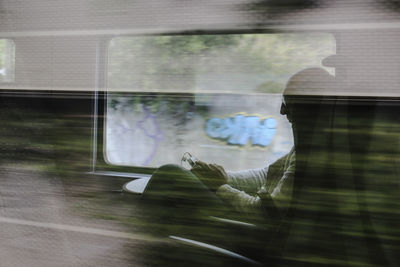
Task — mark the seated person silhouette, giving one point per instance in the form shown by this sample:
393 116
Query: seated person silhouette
209 190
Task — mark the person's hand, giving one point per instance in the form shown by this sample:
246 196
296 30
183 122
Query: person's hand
212 175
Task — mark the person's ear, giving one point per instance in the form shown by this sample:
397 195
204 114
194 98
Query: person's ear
283 109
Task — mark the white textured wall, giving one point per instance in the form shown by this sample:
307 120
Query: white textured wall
57 41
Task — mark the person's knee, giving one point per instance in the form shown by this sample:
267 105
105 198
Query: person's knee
169 167
167 178
169 171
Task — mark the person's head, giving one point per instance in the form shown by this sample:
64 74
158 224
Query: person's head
307 82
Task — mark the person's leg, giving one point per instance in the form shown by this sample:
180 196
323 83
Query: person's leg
179 204
178 190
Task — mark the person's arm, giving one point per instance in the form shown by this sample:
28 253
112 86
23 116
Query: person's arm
212 175
249 181
254 181
236 188
241 188
282 193
238 199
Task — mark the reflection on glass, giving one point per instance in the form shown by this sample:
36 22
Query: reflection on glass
7 60
233 63
216 96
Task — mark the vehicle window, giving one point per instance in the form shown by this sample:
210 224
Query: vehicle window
215 96
7 60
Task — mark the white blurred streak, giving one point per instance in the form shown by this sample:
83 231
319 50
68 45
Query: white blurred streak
79 229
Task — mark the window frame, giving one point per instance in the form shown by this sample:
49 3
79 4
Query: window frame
100 166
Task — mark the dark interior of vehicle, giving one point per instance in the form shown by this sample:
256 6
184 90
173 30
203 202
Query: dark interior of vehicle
94 96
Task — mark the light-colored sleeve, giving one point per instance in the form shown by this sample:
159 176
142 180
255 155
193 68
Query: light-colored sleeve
282 193
241 201
249 181
242 186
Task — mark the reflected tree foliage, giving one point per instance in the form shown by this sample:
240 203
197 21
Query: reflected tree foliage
270 8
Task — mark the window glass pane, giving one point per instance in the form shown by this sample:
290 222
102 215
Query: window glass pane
7 60
215 96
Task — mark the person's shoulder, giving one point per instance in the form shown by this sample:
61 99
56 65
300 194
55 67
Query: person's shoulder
284 158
